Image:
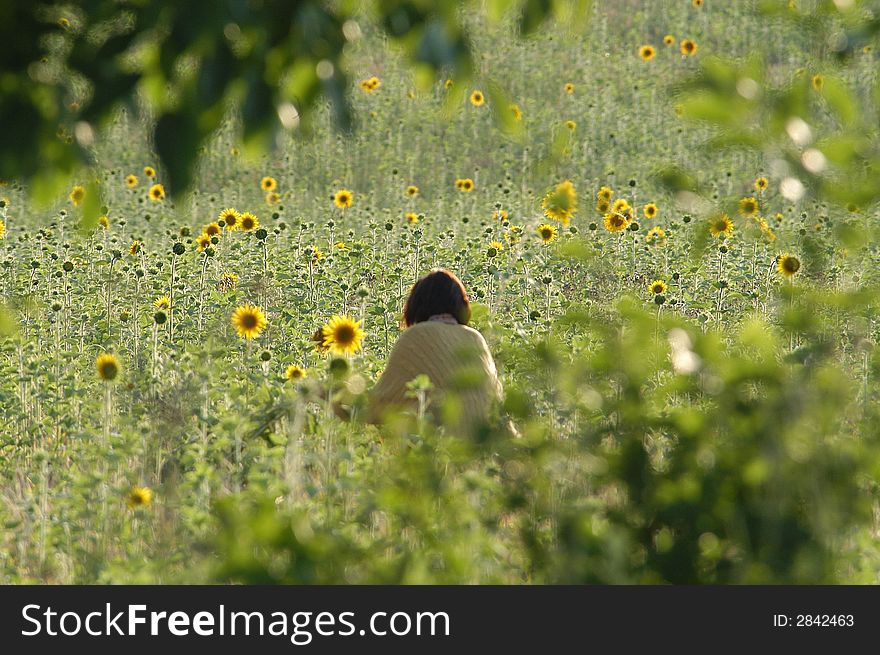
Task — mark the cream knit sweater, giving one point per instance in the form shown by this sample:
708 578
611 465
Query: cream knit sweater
455 358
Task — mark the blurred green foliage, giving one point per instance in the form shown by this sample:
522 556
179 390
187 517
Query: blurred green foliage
66 68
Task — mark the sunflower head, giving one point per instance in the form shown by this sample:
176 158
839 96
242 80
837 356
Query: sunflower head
647 52
212 229
411 217
818 81
650 210
231 219
656 235
131 181
294 373
343 198
568 88
571 125
268 183
203 241
77 194
249 321
149 171
560 204
104 221
228 281
517 112
688 47
668 39
162 302
134 248
761 184
721 224
697 3
748 206
342 335
657 287
157 192
477 98
788 265
249 222
620 205
107 366
605 193
465 184
273 198
412 190
139 497
615 222
547 232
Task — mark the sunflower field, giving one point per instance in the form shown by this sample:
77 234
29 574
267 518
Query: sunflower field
667 221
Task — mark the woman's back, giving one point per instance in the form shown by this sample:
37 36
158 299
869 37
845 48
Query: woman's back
457 361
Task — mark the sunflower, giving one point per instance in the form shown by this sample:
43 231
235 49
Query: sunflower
647 52
748 206
340 245
571 125
560 204
605 193
212 229
497 245
818 81
477 98
547 232
766 230
230 218
203 241
139 497
108 367
342 335
104 222
620 205
249 222
568 88
668 39
697 3
314 254
602 206
500 215
77 194
412 191
517 112
268 183
788 265
249 321
721 224
273 198
761 184
513 234
294 373
343 198
688 47
465 185
149 171
657 287
131 181
448 84
228 281
656 235
162 302
370 84
411 217
2 229
157 192
650 210
134 248
615 222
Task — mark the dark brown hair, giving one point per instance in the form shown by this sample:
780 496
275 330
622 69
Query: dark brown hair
438 292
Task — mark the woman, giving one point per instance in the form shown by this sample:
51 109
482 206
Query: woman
438 343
